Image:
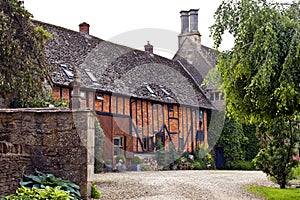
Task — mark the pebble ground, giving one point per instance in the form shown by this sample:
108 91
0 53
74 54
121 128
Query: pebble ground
183 185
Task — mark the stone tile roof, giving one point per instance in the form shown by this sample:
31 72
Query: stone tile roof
119 69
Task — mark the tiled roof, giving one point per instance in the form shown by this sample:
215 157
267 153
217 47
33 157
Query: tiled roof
119 69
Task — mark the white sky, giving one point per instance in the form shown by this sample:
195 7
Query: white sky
129 22
110 18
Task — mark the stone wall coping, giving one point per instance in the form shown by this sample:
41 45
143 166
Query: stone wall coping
41 110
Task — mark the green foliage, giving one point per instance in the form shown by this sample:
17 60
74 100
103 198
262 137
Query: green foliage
275 193
46 99
250 148
239 165
160 155
95 193
99 141
166 158
120 157
212 80
216 119
203 156
233 139
196 166
184 162
136 160
259 73
260 76
109 162
295 173
146 167
41 181
46 193
22 64
278 143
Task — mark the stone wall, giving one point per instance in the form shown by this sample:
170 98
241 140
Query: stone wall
57 141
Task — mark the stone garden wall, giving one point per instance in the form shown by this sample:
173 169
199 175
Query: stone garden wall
57 141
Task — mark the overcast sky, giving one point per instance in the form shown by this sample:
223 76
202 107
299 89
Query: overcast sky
129 22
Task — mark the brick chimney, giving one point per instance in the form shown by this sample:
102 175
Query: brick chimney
193 20
84 28
184 15
148 48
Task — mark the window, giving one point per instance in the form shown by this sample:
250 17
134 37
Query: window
68 72
118 145
170 108
211 96
200 135
164 91
217 96
200 114
150 90
91 75
99 97
222 96
83 94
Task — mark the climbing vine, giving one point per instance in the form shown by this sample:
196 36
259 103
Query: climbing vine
22 62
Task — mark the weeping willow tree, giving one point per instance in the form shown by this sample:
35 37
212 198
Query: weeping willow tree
22 67
260 75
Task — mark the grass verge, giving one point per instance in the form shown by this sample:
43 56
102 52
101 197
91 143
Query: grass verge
275 193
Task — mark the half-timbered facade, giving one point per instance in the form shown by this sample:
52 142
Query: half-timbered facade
140 98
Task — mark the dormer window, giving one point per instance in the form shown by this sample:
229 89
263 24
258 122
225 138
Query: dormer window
150 90
166 93
68 72
91 75
99 97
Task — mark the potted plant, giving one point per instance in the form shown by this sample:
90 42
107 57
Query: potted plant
108 165
120 163
136 163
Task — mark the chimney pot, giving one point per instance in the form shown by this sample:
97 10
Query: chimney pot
193 19
184 15
148 48
84 28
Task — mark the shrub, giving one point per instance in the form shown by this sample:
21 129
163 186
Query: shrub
146 167
136 160
95 193
295 173
47 99
41 181
108 162
99 140
120 157
196 165
98 166
239 165
55 193
209 162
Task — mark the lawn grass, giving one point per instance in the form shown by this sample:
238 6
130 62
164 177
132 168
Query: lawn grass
275 193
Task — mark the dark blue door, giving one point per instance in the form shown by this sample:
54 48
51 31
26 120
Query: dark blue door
220 160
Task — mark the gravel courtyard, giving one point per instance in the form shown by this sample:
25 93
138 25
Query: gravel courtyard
180 184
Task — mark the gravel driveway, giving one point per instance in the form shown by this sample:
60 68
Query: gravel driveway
179 184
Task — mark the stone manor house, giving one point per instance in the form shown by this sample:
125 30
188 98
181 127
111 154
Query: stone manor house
140 98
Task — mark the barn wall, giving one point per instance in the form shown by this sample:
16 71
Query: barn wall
179 123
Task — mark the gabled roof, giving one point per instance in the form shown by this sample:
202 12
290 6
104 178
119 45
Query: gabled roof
203 59
119 69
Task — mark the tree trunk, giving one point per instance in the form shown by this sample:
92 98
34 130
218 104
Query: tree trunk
282 185
282 182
